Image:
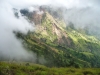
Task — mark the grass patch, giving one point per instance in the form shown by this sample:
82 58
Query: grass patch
22 69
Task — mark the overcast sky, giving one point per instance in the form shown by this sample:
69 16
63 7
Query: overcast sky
67 3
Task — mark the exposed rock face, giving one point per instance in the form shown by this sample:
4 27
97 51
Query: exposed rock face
37 17
62 38
53 29
34 16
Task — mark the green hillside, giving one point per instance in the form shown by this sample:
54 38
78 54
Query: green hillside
61 45
34 69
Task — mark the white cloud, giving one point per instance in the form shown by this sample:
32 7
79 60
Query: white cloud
10 46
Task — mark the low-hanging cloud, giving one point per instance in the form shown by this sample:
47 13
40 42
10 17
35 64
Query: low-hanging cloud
79 12
10 46
85 14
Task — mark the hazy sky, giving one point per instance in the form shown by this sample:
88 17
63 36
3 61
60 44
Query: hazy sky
67 3
85 13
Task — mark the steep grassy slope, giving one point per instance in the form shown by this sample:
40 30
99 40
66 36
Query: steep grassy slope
54 55
34 69
61 46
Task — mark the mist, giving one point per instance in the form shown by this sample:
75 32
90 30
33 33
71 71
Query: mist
85 14
10 47
81 13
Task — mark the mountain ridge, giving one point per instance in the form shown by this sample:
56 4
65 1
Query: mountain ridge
61 45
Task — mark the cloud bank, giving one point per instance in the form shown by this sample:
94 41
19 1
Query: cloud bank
10 46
